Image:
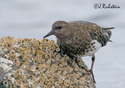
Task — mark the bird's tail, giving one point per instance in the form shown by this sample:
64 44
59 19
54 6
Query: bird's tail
108 30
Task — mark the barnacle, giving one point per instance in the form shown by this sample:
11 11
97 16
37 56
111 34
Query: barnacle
18 82
25 85
40 64
17 74
42 78
37 59
17 61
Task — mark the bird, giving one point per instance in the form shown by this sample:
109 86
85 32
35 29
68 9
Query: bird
80 38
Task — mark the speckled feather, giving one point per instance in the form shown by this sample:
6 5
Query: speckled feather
80 38
80 34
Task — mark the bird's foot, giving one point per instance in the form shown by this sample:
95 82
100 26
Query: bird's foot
85 68
88 72
91 72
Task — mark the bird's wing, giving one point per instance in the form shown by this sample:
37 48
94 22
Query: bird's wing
99 34
102 35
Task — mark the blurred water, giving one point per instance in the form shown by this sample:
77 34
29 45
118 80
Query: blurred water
33 19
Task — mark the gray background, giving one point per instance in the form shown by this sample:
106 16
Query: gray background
33 19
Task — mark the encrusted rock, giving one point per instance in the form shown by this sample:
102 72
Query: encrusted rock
39 64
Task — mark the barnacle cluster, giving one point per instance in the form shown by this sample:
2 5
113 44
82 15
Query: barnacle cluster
40 64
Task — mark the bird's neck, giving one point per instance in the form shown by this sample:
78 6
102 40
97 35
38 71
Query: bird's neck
63 39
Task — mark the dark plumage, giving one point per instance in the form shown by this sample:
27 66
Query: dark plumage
80 38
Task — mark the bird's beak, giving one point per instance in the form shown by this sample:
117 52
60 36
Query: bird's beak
50 33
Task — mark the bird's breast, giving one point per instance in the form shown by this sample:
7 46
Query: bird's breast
80 50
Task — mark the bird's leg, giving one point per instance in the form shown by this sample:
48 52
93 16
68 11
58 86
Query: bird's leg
91 70
81 66
93 59
77 62
88 71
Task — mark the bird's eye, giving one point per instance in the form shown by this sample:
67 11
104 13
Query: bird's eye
59 27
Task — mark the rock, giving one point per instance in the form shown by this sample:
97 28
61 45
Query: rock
2 73
39 64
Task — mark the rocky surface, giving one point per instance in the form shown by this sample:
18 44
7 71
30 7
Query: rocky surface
31 63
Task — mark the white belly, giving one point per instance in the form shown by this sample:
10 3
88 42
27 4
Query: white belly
94 50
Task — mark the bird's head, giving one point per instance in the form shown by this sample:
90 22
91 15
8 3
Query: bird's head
59 29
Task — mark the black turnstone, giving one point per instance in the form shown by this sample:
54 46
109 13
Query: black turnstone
80 38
